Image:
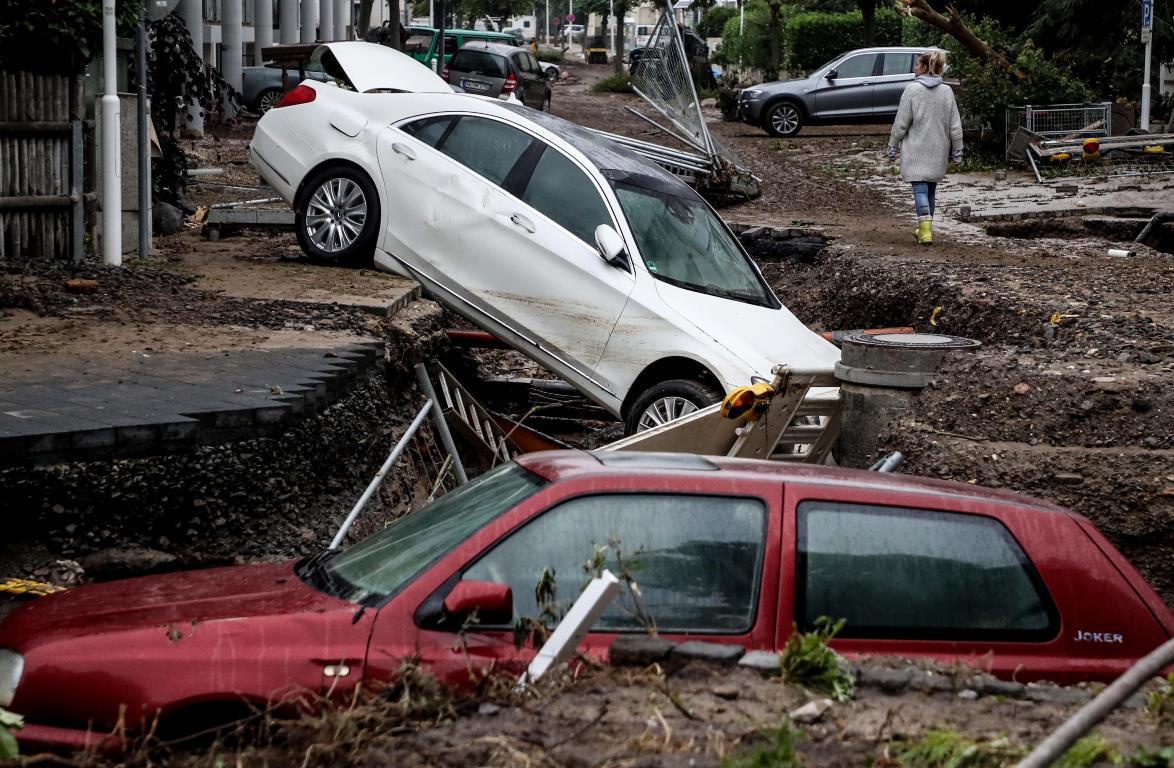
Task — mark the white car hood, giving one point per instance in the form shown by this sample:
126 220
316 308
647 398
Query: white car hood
759 336
370 66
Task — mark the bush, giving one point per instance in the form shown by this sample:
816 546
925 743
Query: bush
613 84
714 21
815 38
549 54
750 47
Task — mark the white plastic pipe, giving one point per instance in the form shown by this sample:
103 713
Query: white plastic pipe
111 144
193 19
309 7
232 51
289 21
1145 89
592 602
341 16
326 20
262 29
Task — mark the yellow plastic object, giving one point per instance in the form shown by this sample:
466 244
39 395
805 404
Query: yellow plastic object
1061 156
1155 149
27 587
749 401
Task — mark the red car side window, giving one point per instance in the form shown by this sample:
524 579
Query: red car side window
917 574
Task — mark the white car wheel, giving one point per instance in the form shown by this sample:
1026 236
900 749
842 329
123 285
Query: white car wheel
668 401
338 216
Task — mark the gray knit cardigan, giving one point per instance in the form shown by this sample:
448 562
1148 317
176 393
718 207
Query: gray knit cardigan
927 130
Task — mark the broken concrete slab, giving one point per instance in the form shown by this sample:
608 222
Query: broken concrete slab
638 651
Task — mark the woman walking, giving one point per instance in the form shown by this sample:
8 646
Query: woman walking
927 131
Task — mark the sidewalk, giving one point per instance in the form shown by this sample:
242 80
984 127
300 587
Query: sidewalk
134 371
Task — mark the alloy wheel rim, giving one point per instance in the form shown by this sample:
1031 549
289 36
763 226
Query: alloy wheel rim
664 410
335 214
785 119
269 101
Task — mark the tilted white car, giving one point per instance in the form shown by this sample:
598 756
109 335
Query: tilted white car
593 261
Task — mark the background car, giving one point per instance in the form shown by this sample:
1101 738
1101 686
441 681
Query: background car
861 86
697 51
490 69
261 87
731 551
572 33
590 259
421 43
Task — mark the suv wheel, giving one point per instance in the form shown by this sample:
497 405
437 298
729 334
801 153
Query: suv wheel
783 119
669 400
337 216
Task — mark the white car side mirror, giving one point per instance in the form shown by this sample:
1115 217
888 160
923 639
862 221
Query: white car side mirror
611 247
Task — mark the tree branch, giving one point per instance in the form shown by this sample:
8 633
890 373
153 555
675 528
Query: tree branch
954 26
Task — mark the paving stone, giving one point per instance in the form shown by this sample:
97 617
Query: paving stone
763 661
995 687
887 680
1048 694
719 653
638 650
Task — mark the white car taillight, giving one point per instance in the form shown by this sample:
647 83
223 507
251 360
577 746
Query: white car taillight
302 94
11 669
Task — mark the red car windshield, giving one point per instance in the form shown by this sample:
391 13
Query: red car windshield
383 563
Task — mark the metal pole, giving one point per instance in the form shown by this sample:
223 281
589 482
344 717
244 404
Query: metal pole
441 424
1145 88
144 138
1096 710
547 40
440 38
378 479
111 145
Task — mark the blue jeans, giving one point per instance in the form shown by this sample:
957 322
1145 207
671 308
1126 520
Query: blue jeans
923 197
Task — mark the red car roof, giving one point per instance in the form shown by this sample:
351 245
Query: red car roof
556 465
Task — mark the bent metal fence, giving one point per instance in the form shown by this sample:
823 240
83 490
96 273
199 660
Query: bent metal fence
1060 121
42 213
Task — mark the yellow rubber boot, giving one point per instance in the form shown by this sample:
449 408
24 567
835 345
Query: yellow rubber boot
925 231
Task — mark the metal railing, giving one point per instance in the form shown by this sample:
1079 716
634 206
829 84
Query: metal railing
1059 121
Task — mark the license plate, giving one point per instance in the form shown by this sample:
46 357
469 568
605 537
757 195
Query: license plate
473 85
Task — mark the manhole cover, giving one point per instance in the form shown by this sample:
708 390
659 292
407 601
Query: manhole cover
913 341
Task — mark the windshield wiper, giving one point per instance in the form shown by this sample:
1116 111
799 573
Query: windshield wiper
314 570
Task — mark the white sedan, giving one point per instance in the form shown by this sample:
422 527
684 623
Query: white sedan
592 260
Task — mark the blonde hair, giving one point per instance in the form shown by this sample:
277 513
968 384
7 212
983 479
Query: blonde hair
934 62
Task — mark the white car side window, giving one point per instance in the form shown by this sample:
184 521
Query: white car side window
559 189
486 147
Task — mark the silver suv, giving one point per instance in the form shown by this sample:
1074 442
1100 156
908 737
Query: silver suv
861 86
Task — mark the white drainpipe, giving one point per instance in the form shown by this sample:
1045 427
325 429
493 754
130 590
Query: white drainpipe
111 145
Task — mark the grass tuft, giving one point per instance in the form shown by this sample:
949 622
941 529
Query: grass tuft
613 84
807 661
780 753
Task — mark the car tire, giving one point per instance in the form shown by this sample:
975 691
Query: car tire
268 99
668 400
784 118
342 231
546 103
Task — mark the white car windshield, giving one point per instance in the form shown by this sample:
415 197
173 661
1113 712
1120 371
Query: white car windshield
683 243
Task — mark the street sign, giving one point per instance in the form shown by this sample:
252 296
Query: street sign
570 18
1147 14
1147 34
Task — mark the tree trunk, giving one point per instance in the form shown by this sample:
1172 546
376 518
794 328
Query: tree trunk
621 11
364 21
868 11
776 35
394 13
953 25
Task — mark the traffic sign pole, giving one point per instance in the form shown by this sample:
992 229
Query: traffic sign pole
1147 35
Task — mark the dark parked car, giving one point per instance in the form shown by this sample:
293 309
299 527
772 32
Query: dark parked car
862 86
731 551
697 51
261 86
492 69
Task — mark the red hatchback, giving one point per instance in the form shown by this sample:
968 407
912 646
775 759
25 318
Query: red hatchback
724 550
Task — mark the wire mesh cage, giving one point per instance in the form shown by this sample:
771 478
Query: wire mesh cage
1059 121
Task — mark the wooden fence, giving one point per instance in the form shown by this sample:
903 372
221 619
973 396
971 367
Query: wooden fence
42 200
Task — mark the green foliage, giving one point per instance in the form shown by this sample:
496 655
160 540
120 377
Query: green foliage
58 35
749 46
9 722
1160 703
536 629
778 754
815 38
549 54
1091 750
1162 757
987 89
714 20
949 749
915 33
807 661
613 84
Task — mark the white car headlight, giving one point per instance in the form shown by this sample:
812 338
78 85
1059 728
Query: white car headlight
11 668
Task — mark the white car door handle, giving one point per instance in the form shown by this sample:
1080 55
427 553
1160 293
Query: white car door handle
523 222
403 149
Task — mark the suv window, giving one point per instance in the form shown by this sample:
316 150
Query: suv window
560 189
479 63
907 573
898 64
486 146
857 66
697 559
